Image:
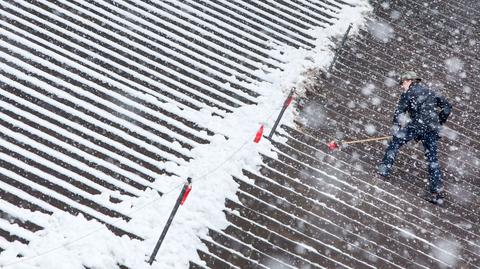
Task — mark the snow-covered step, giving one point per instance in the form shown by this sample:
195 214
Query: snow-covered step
122 101
193 265
97 111
70 124
108 49
134 32
174 64
213 261
142 86
22 217
12 231
55 195
72 156
228 254
15 224
256 257
239 21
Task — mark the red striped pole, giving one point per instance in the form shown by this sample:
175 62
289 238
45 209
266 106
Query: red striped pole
180 200
285 105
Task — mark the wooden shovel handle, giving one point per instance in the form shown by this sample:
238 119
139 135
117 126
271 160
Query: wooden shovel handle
367 140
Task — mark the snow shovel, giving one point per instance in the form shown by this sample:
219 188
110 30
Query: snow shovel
334 145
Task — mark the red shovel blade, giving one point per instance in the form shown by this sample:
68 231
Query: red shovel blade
332 146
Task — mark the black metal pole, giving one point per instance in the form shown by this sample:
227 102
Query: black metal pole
344 39
280 115
169 221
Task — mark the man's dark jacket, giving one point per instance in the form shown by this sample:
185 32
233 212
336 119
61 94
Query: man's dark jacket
426 109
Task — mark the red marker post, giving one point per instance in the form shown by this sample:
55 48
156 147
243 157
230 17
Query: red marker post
180 200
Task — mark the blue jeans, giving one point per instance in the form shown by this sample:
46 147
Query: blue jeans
429 140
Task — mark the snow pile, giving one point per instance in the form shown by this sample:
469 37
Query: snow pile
71 242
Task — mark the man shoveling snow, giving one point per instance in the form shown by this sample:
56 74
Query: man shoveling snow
427 112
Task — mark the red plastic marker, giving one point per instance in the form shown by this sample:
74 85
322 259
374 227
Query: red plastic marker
288 101
259 134
187 191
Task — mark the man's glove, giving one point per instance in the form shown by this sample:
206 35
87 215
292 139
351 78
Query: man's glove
441 119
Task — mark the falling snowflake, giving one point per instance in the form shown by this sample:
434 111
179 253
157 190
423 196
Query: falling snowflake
376 101
370 129
447 253
381 31
390 82
368 89
454 65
